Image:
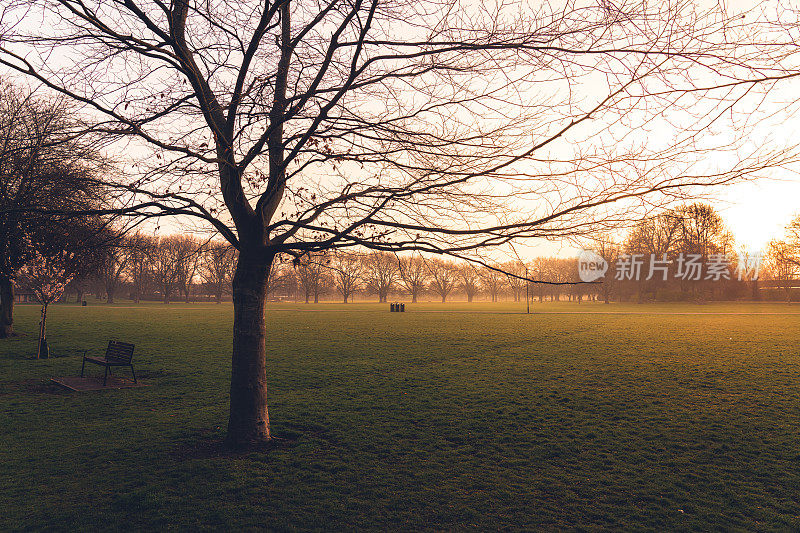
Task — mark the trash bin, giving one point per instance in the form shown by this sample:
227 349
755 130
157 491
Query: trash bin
391 308
83 303
402 308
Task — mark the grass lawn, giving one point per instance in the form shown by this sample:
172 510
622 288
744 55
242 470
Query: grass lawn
457 416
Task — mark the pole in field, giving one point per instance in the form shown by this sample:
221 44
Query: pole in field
527 286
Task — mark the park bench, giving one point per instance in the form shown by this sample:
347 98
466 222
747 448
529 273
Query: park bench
117 354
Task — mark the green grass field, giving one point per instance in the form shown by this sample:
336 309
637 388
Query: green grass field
457 416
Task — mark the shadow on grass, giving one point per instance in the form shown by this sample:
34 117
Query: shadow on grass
32 386
205 444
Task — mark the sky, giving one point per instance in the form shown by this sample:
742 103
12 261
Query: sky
758 212
755 212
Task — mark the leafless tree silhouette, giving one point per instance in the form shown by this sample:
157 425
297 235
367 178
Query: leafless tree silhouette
381 270
347 268
413 275
219 261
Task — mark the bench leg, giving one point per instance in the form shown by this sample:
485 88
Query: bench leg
134 375
105 376
83 363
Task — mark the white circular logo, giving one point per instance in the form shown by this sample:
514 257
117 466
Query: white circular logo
591 266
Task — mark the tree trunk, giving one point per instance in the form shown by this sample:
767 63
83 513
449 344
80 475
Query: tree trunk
6 307
249 418
413 297
43 350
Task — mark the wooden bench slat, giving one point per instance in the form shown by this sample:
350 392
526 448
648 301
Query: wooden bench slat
119 352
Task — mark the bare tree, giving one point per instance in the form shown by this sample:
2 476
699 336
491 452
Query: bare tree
165 257
140 264
114 262
493 281
89 241
347 268
609 250
783 267
517 278
189 255
540 268
381 270
469 280
748 269
655 238
444 276
40 166
280 276
793 238
413 275
311 274
418 113
784 258
217 266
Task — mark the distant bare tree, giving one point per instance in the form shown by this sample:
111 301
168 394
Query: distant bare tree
469 280
311 273
217 266
280 276
609 250
701 231
115 257
381 270
140 263
784 258
165 257
783 267
492 281
793 238
444 276
413 275
188 260
540 270
347 268
517 280
748 268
